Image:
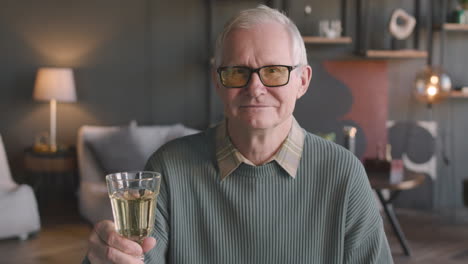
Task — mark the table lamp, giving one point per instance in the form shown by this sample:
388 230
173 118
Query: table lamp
54 84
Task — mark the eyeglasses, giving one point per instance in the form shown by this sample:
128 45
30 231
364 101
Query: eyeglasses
270 75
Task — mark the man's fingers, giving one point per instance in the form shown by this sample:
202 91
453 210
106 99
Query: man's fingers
148 244
106 232
113 255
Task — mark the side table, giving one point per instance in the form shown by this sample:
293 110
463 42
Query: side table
410 181
53 176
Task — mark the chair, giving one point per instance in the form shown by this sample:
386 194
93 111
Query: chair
19 214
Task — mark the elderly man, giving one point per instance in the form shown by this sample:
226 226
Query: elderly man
257 188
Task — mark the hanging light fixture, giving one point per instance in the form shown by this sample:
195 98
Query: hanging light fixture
432 85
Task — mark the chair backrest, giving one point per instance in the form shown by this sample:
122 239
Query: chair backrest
6 181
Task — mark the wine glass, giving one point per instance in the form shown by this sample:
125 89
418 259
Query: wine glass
133 197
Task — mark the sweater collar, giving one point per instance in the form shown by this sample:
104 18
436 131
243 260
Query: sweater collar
288 156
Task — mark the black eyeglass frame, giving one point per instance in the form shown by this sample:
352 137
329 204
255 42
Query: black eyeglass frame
257 70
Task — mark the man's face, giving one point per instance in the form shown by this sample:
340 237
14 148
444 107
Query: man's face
257 106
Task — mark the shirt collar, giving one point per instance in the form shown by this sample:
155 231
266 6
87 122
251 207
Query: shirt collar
288 156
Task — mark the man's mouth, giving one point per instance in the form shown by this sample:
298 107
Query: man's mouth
253 106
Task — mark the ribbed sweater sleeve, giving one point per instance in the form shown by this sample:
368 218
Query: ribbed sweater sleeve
365 240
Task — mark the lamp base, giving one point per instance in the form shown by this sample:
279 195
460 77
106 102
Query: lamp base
43 144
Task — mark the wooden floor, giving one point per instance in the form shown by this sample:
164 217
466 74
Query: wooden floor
432 239
63 240
59 242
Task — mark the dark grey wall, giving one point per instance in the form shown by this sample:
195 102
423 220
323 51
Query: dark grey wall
103 41
134 60
147 60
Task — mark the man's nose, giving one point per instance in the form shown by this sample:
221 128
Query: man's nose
255 86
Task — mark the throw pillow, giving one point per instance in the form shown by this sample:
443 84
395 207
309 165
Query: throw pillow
117 150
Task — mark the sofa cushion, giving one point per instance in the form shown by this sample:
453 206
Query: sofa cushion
117 150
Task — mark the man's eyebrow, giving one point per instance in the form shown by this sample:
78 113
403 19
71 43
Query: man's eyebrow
238 65
244 65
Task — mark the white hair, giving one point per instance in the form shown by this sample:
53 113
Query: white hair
260 15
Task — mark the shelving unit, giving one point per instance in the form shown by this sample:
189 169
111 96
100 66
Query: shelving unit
324 40
363 31
396 54
342 40
455 27
446 28
458 94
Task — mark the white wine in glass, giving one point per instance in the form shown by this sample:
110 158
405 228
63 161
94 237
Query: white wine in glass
133 197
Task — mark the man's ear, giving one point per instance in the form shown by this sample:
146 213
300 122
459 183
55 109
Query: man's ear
306 76
214 79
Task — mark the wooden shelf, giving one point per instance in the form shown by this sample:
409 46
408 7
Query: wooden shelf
458 94
396 54
455 27
323 40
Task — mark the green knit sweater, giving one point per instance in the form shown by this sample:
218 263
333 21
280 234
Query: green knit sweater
261 215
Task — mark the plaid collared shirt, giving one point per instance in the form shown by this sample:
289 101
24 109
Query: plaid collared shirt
288 156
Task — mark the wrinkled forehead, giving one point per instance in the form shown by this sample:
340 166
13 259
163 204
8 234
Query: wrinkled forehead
267 42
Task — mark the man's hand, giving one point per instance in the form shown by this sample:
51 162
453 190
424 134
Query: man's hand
107 246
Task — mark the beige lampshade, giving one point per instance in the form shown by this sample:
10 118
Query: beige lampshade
55 83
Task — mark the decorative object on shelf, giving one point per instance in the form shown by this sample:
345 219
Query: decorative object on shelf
462 17
54 84
307 10
432 85
330 28
404 29
463 12
350 138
